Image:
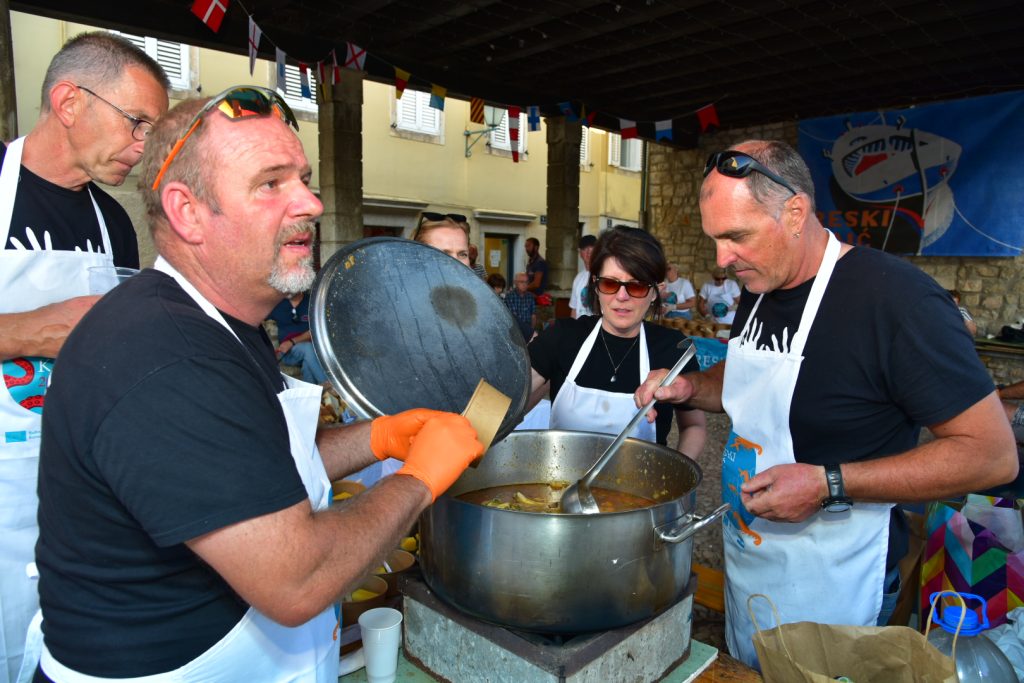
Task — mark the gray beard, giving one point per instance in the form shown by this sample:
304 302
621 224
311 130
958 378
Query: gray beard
295 281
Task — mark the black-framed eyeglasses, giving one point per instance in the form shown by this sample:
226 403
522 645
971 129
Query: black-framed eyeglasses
431 216
141 128
739 165
236 103
634 288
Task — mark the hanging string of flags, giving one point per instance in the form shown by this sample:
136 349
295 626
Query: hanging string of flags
677 129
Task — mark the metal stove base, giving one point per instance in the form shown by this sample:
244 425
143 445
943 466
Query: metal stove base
455 647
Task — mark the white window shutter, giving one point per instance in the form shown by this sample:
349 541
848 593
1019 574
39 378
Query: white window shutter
585 147
293 87
172 56
614 149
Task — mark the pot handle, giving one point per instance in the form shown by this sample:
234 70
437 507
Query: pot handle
690 524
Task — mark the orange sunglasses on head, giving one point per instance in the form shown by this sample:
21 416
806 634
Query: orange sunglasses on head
236 103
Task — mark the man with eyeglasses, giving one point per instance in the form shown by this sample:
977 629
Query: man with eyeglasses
187 531
838 356
99 95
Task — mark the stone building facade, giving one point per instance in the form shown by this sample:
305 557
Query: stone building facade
992 289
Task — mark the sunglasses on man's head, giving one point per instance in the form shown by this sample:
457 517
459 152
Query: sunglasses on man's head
236 103
739 165
431 216
634 288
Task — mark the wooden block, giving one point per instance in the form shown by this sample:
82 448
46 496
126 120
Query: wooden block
710 587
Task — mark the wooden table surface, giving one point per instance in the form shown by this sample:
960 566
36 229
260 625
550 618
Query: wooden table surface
725 669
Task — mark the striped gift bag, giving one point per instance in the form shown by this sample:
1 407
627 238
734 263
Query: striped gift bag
976 545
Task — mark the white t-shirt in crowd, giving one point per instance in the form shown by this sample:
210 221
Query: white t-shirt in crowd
681 288
718 296
578 298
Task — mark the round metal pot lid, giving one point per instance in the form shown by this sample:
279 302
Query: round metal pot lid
398 325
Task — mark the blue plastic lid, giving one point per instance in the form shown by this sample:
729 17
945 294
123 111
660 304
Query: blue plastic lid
949 616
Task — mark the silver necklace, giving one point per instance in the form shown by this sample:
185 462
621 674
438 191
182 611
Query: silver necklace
615 367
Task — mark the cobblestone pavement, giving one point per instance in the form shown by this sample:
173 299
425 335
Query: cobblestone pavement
709 625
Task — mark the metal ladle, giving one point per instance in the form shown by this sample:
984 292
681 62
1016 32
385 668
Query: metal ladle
577 498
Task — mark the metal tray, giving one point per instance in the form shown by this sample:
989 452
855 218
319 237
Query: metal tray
400 325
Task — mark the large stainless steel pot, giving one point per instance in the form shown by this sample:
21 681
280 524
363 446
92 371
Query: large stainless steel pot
561 573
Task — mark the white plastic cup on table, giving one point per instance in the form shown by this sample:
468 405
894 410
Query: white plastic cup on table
381 630
102 279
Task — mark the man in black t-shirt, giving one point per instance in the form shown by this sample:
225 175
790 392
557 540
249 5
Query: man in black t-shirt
838 356
185 506
99 97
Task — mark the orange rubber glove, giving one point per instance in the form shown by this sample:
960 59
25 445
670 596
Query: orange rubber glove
442 451
391 435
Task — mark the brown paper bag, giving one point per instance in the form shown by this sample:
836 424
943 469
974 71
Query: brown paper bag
818 653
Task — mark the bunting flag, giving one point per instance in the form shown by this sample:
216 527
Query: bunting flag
437 95
321 82
663 130
281 81
401 80
335 69
708 118
356 57
476 110
533 117
627 129
513 132
568 112
585 118
254 43
210 12
304 80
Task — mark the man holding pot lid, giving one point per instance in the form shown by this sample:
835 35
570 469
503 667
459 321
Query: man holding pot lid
838 355
590 366
185 532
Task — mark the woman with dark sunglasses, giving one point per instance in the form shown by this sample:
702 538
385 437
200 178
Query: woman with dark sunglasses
591 365
447 232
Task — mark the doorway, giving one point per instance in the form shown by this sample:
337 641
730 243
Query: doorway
498 255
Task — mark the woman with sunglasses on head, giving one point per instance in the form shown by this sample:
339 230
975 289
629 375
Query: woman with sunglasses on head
591 365
447 232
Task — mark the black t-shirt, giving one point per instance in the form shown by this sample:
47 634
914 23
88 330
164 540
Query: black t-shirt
553 351
887 353
66 219
159 427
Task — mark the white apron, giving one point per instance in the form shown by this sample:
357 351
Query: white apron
29 278
827 569
582 409
258 648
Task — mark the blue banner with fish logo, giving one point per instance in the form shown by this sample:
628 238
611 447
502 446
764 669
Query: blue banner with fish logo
938 180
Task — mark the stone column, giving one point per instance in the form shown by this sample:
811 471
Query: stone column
563 201
8 100
341 163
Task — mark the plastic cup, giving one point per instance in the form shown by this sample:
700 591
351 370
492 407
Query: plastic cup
102 279
381 630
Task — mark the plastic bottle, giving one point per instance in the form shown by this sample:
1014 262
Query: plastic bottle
977 657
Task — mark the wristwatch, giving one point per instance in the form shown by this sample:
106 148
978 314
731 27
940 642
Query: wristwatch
837 500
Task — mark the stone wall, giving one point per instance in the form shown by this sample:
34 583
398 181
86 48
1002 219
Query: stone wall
992 289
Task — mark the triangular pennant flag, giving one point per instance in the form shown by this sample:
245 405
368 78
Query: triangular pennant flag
533 117
513 132
568 112
304 80
437 95
663 130
476 110
281 83
335 69
627 129
708 118
254 43
356 57
321 82
210 12
588 119
401 80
